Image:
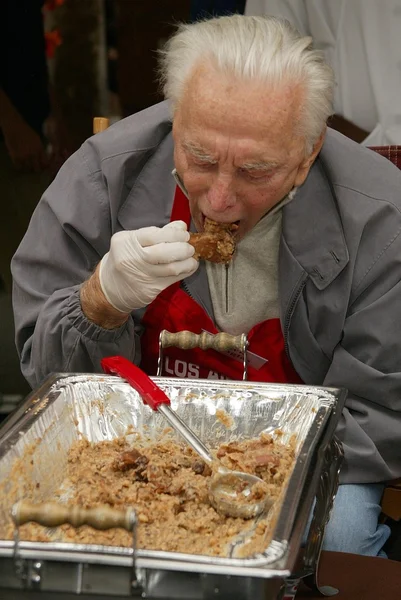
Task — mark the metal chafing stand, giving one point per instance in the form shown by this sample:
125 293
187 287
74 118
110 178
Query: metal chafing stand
101 407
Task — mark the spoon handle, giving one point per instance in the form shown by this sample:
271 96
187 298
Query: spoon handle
186 433
154 397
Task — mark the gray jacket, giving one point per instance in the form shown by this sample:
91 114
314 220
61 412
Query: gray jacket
339 274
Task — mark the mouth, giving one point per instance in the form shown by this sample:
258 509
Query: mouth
231 226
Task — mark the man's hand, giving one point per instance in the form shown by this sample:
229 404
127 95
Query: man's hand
24 145
139 265
142 263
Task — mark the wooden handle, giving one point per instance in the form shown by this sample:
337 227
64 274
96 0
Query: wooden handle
185 340
100 124
51 514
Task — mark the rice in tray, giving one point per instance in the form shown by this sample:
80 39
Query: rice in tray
167 484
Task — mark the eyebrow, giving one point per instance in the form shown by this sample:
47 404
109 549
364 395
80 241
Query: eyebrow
260 166
198 152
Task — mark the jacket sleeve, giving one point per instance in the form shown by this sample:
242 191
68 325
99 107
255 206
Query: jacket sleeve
367 362
69 233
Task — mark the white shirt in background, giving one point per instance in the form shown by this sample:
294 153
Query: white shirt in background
362 42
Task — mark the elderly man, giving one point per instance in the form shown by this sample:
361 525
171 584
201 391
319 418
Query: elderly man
315 279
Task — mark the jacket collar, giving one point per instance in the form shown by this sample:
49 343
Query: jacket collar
312 228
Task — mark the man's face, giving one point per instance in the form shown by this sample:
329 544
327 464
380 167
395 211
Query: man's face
236 149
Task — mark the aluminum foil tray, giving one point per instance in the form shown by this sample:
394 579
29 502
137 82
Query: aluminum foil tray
98 407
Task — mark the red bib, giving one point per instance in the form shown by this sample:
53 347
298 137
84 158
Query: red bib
176 311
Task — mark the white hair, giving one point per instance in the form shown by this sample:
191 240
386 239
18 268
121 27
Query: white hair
266 49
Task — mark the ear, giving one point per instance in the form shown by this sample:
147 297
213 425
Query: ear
308 161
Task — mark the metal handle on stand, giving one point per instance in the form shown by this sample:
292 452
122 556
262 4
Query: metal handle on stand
52 514
186 340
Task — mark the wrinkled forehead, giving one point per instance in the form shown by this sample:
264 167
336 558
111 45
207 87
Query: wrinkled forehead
254 116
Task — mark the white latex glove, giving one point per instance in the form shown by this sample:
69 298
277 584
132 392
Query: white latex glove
142 263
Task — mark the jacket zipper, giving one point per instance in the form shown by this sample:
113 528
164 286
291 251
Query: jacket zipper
226 268
186 289
287 320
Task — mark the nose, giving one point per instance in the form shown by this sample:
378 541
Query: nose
221 196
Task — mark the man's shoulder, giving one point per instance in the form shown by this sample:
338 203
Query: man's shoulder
137 134
360 170
367 192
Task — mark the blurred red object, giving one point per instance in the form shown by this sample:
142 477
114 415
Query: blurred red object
53 4
53 39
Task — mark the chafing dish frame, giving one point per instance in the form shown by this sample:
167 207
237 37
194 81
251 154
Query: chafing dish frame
85 563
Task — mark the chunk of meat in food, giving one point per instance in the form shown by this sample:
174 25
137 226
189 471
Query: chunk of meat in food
216 244
201 468
133 460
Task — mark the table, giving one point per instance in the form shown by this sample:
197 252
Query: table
357 577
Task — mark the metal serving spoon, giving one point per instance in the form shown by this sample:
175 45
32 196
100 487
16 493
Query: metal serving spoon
233 493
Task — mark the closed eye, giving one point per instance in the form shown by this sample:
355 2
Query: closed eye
205 164
256 174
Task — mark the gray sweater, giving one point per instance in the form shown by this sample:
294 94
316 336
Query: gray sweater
245 292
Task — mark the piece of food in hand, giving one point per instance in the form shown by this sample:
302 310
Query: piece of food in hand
216 244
